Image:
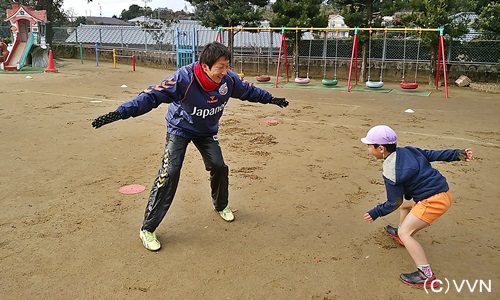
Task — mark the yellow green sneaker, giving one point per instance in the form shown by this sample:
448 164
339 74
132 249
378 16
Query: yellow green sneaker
226 214
149 240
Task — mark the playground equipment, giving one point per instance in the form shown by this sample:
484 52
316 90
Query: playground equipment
241 74
354 59
262 77
440 63
219 36
28 28
99 50
410 85
298 79
440 58
185 45
282 53
115 56
132 59
380 83
334 81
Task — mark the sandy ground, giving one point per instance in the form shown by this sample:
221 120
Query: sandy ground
300 189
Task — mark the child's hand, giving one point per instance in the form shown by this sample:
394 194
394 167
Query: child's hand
367 217
468 155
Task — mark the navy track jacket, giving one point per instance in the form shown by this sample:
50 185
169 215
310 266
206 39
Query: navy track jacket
192 112
407 173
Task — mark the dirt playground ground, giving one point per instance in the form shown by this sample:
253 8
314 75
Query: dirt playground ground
300 189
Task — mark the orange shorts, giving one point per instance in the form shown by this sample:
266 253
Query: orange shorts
433 207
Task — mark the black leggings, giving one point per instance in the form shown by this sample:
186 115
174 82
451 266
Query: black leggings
165 185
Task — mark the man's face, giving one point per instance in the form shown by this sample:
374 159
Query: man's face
218 70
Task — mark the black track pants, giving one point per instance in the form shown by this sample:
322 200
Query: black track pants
165 185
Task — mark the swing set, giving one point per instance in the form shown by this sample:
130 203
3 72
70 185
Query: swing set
353 66
403 84
263 77
325 81
410 85
334 81
380 83
298 79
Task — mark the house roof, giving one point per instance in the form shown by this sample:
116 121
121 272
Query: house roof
464 16
109 34
245 39
106 21
135 35
39 15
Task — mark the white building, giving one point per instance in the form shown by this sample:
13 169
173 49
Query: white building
146 20
337 21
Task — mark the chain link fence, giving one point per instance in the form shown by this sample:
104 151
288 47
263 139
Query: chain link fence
478 48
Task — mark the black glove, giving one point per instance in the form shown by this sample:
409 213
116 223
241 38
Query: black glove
281 102
105 119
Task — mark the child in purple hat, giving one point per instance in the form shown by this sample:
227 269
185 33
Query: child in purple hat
408 174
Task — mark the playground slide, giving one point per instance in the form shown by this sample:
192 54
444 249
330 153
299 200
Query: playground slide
26 51
15 56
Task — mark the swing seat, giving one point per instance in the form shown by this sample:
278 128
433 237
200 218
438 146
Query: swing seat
374 84
301 80
408 85
242 75
262 78
329 81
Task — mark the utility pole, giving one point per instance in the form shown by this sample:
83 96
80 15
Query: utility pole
145 5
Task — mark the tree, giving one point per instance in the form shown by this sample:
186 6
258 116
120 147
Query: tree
360 13
55 16
489 18
134 11
229 13
4 4
169 16
305 13
389 8
435 14
478 5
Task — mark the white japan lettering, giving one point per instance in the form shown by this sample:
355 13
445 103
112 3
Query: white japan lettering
199 112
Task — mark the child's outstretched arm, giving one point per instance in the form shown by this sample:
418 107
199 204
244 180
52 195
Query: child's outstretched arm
447 155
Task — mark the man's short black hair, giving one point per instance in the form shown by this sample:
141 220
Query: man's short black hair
212 52
390 147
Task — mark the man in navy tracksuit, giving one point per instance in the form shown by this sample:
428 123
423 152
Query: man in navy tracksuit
197 95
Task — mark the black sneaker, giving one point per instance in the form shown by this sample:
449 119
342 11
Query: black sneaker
418 279
393 233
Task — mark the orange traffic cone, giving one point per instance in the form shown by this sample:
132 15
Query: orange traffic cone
51 66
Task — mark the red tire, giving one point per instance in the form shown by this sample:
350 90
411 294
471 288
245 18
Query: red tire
408 85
